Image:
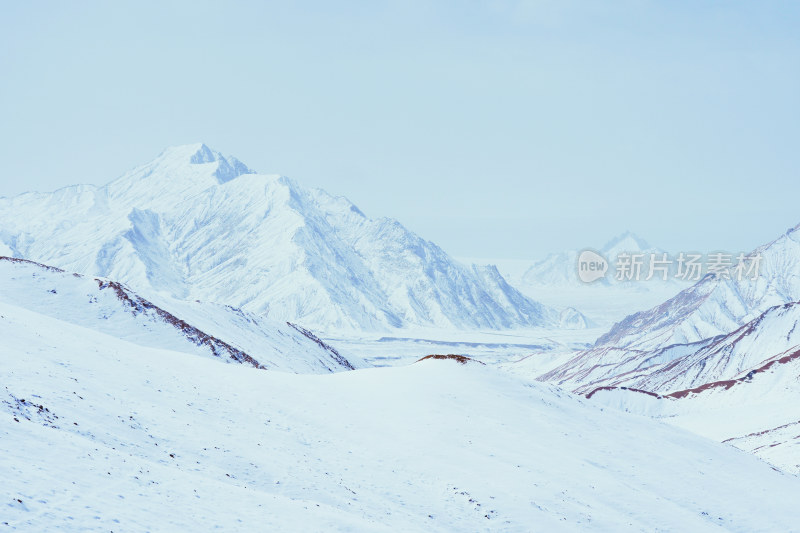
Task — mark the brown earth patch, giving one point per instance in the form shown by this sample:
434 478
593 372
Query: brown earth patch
463 359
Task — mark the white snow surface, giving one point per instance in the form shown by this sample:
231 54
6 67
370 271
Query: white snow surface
742 388
758 412
721 358
97 433
195 225
209 330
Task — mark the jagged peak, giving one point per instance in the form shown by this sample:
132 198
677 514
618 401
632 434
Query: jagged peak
204 154
228 167
193 153
627 240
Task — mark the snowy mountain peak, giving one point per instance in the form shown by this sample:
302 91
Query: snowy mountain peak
228 168
191 225
193 153
627 242
178 173
559 269
203 154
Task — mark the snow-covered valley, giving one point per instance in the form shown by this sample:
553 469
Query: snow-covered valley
99 433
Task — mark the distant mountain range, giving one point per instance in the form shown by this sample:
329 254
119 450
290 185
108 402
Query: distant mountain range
560 269
194 225
554 281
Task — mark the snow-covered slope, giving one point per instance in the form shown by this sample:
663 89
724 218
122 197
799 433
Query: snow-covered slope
194 327
742 388
716 305
683 366
98 433
757 411
717 328
193 224
721 358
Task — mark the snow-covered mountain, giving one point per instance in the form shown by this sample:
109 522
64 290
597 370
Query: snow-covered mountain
210 330
97 433
721 358
195 225
713 330
560 268
716 305
742 388
678 367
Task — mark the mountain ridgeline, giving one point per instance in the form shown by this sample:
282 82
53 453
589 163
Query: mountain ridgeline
195 225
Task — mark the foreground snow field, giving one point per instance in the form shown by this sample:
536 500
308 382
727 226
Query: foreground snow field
99 433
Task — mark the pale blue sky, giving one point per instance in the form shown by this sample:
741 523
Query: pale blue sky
496 129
